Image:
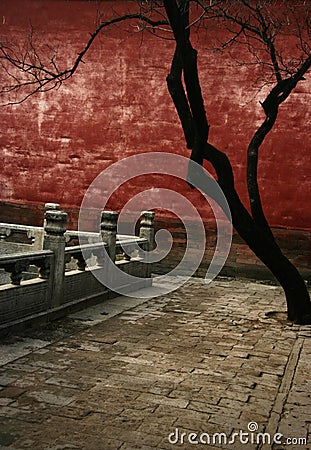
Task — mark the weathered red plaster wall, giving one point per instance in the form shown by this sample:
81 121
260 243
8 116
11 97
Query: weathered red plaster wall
55 144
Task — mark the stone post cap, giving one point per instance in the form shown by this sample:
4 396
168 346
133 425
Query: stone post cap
147 218
54 206
55 222
109 220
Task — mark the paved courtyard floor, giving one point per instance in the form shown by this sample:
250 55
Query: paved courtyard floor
201 367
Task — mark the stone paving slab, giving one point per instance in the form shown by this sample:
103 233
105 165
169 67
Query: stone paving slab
201 367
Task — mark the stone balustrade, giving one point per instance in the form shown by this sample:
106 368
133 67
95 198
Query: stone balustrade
48 277
81 253
19 263
14 237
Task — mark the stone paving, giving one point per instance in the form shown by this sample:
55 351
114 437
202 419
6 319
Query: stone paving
201 367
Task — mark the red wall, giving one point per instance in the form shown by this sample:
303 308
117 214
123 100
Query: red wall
117 104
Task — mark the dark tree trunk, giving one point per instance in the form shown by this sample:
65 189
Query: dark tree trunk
261 243
267 250
190 108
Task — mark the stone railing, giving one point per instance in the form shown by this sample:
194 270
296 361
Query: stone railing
20 238
17 264
47 276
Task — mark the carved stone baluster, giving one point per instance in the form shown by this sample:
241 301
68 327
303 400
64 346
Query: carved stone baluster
44 268
4 233
32 236
67 259
127 254
16 270
100 256
81 261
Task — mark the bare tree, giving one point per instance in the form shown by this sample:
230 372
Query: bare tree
262 27
253 21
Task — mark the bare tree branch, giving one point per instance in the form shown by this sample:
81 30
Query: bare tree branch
36 75
264 29
269 23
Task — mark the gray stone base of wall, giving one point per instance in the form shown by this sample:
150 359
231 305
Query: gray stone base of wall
241 262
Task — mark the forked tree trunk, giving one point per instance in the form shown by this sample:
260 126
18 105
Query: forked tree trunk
190 108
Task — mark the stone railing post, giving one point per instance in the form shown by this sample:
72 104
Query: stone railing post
54 239
108 226
50 207
38 236
146 231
